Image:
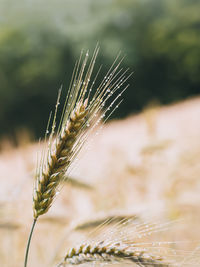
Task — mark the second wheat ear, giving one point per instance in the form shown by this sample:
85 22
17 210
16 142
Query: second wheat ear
84 108
111 253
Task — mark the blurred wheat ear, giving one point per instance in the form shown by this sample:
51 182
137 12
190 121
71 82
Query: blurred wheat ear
83 110
111 253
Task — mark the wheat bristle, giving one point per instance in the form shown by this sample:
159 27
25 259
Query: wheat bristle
106 221
111 253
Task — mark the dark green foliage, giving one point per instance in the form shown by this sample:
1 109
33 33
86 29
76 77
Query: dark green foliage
39 44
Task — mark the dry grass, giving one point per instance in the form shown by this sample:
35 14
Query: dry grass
146 165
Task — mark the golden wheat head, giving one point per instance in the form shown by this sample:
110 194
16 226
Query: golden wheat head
83 110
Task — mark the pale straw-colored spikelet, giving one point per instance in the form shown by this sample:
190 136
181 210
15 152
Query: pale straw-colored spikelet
102 253
83 110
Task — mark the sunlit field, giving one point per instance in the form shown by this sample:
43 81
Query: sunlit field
100 133
143 170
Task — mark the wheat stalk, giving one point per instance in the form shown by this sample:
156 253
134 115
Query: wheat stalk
111 253
82 110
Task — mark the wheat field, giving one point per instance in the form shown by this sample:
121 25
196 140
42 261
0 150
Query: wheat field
145 168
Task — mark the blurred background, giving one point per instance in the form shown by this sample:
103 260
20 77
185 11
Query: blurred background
144 166
41 39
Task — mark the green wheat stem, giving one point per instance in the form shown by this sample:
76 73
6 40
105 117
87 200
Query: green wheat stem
29 241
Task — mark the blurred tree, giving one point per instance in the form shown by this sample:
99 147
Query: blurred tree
39 41
32 69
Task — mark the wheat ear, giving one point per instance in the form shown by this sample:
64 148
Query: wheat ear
111 253
81 112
